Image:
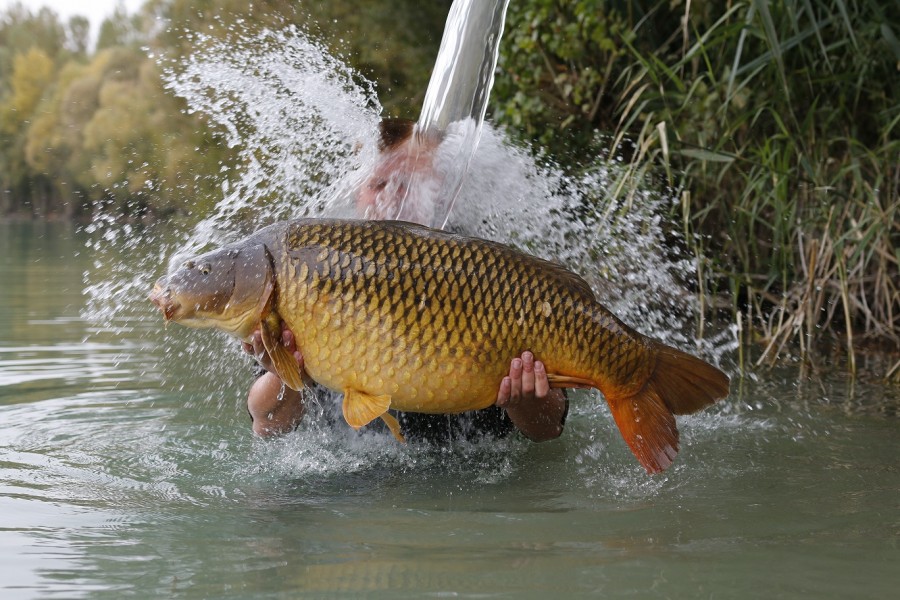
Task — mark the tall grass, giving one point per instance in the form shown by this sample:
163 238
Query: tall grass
779 123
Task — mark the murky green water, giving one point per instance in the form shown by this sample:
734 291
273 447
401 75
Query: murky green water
130 470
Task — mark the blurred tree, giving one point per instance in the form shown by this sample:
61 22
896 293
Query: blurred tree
81 131
54 147
78 35
120 29
31 46
147 154
20 29
32 74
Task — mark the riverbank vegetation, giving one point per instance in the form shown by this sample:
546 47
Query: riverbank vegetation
775 125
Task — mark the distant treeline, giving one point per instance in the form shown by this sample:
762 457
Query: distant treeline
775 125
92 129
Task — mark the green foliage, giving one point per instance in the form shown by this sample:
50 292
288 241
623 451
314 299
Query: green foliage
99 134
32 73
79 30
21 30
555 68
391 42
778 121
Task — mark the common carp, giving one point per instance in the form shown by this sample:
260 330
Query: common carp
400 316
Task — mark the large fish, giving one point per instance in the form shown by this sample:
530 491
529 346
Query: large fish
400 316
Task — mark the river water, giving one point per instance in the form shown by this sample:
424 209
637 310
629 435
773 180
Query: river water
127 468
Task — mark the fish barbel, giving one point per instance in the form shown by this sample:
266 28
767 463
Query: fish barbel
399 316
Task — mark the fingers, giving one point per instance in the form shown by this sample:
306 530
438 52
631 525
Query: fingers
527 375
515 376
257 350
254 346
527 380
503 394
541 383
290 343
287 338
257 344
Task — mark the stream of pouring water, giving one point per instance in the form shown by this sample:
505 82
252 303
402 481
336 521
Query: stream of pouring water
457 97
305 126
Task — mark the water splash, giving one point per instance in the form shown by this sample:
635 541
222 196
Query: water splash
458 93
463 74
304 126
301 119
419 179
304 155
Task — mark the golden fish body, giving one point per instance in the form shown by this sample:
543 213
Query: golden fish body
432 319
404 317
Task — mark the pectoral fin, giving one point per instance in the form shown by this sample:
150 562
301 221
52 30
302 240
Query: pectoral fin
564 381
361 408
283 361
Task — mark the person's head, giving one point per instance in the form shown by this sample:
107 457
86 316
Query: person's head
403 185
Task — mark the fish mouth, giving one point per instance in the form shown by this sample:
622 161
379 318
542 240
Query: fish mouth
162 298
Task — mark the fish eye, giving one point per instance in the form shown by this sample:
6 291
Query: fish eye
189 264
205 268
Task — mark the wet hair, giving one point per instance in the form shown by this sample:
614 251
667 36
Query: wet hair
394 132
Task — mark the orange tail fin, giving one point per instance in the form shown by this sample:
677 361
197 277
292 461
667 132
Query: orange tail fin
679 385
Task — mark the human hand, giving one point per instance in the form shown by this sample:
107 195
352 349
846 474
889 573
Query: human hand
527 381
257 349
536 410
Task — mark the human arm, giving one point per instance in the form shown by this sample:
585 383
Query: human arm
274 408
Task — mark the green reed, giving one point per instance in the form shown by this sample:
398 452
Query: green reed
778 121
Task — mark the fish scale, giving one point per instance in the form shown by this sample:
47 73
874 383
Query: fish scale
456 306
400 316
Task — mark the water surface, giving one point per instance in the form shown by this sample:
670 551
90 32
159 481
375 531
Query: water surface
127 467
